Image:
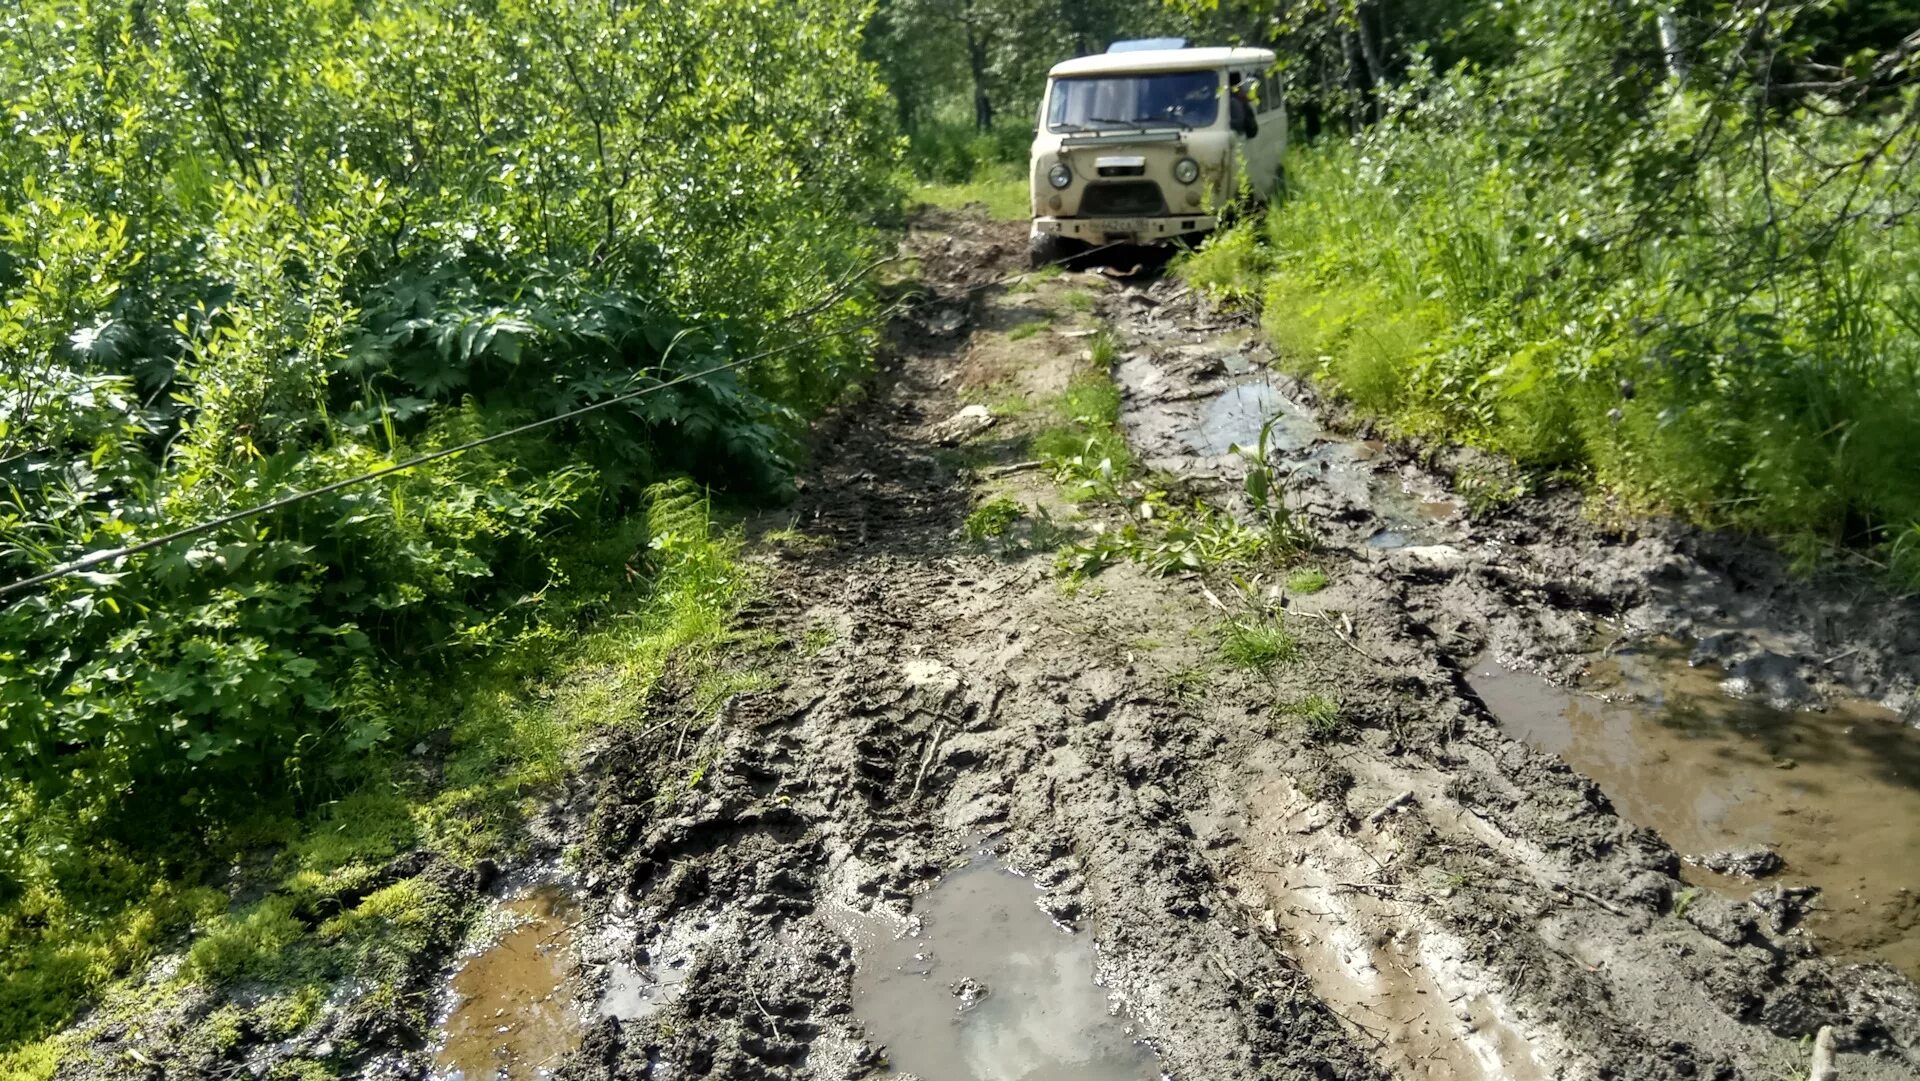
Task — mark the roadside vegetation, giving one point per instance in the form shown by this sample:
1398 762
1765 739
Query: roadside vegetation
1665 249
256 250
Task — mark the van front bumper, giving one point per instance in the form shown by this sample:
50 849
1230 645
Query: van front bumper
1122 230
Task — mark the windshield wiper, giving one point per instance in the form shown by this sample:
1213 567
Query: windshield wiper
1116 120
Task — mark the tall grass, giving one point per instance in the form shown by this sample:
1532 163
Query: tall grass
1435 280
953 164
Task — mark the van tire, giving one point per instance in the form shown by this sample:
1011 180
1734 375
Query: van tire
1044 249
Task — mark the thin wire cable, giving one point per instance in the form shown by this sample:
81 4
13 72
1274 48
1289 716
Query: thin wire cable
95 559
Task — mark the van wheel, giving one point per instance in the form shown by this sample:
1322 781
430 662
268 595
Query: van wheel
1044 249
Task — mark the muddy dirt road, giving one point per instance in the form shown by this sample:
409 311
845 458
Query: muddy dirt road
980 824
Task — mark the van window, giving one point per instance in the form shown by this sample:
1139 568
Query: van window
1271 93
1162 99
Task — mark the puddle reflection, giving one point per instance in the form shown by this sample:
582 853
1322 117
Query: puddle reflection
985 987
1837 793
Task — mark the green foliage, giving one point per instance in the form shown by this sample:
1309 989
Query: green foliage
1307 580
1257 644
1195 537
1002 192
254 252
1027 330
662 586
1287 533
993 518
1683 900
1103 354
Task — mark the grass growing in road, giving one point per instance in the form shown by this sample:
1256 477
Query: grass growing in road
992 519
1307 580
1319 715
1027 330
1257 644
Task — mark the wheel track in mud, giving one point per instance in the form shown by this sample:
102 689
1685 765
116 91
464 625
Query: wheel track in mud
962 695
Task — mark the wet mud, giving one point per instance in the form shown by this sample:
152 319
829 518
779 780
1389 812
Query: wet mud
1207 887
1833 794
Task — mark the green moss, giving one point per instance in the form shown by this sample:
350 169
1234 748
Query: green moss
31 1062
249 943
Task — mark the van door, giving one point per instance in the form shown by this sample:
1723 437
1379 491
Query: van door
1265 151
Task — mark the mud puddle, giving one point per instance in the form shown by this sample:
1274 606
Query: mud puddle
980 985
516 1010
1205 430
1835 794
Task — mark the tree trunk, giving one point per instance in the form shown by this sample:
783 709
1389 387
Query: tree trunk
977 66
1670 45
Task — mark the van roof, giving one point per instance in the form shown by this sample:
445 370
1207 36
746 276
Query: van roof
1148 60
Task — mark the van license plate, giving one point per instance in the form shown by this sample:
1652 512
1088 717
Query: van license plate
1126 227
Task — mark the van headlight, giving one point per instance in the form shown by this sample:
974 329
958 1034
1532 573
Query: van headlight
1060 176
1186 170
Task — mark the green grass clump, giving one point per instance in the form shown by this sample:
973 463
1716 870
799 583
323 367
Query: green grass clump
993 518
1079 300
1257 645
1027 330
1232 263
1084 444
1104 351
1307 580
1319 716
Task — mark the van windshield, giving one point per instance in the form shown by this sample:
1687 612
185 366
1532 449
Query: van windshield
1175 98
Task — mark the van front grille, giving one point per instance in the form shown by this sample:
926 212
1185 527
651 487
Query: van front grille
1132 198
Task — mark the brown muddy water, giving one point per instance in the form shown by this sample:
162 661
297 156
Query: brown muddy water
515 1011
980 985
1835 793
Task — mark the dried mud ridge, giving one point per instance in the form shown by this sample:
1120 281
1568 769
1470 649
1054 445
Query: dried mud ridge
1425 897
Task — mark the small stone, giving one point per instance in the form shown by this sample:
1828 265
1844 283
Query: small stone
1784 906
969 991
1741 862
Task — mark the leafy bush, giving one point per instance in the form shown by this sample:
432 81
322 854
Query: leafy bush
315 265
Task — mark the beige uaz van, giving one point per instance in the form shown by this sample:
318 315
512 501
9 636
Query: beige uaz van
1147 144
